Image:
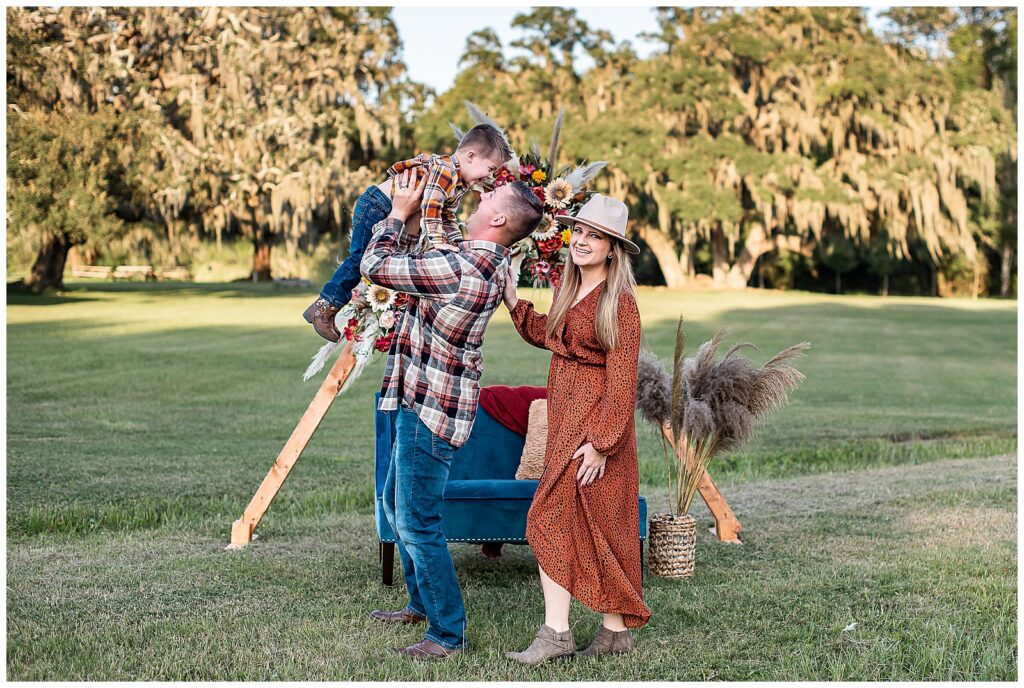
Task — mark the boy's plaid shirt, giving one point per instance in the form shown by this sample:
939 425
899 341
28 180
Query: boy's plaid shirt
435 361
441 196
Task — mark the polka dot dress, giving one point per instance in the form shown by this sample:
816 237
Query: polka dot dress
587 538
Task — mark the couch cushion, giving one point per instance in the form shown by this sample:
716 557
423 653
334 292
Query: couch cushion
490 489
473 520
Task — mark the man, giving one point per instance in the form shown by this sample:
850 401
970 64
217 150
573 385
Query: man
432 379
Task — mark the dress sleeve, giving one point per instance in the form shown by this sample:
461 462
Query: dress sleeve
615 413
532 325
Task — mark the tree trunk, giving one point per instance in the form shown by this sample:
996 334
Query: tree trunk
756 245
1006 271
686 257
665 252
261 238
720 259
261 261
48 270
839 282
885 284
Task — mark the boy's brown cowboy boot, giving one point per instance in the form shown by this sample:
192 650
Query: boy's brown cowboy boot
547 645
609 642
321 314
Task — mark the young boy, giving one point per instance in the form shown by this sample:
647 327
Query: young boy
479 154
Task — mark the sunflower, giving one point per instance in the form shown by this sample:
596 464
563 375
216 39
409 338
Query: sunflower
546 229
380 298
558 193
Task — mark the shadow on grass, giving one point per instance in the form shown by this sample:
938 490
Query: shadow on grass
243 289
18 295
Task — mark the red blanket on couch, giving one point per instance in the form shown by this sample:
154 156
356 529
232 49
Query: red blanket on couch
510 406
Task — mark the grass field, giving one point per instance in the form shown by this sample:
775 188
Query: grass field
141 418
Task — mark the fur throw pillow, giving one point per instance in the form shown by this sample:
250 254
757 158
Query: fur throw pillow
532 462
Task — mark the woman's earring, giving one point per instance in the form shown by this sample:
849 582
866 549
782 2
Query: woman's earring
609 256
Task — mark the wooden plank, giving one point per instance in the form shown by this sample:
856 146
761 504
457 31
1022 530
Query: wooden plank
242 529
132 270
727 527
100 271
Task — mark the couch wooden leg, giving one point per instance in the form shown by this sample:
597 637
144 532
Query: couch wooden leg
387 561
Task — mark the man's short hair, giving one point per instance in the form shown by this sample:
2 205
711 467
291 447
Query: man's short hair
488 142
523 210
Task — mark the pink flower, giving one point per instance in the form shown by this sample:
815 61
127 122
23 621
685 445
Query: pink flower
542 267
526 170
387 320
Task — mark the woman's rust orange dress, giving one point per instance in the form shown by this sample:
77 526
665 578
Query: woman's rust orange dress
587 538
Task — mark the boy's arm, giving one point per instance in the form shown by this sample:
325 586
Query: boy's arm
411 163
441 181
434 273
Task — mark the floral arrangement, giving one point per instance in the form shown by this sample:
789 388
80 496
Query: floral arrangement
368 320
543 254
710 407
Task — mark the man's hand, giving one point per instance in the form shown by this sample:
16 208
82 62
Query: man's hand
408 193
509 294
592 466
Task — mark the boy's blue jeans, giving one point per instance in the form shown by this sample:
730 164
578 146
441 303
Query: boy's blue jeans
413 490
372 207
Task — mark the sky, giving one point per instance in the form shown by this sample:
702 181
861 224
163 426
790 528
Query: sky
432 56
433 38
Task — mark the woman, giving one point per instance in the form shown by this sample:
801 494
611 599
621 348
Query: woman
584 524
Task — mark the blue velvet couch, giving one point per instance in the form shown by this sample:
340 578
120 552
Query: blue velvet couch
483 501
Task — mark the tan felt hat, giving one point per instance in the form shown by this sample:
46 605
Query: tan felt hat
605 214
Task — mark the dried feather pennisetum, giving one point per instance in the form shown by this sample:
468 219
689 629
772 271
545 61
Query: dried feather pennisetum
711 406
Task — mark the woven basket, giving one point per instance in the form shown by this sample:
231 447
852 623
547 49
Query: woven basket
672 540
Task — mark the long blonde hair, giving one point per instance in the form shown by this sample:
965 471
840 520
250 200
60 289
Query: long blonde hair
620 279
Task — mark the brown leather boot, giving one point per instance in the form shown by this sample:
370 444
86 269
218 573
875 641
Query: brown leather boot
321 314
547 645
402 616
609 642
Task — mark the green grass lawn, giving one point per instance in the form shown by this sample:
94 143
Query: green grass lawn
141 419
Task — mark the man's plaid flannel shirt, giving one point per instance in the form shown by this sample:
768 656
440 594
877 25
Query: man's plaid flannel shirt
435 361
441 196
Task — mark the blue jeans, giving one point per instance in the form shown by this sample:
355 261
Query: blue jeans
413 490
372 207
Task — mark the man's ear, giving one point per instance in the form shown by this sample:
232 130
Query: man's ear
499 220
